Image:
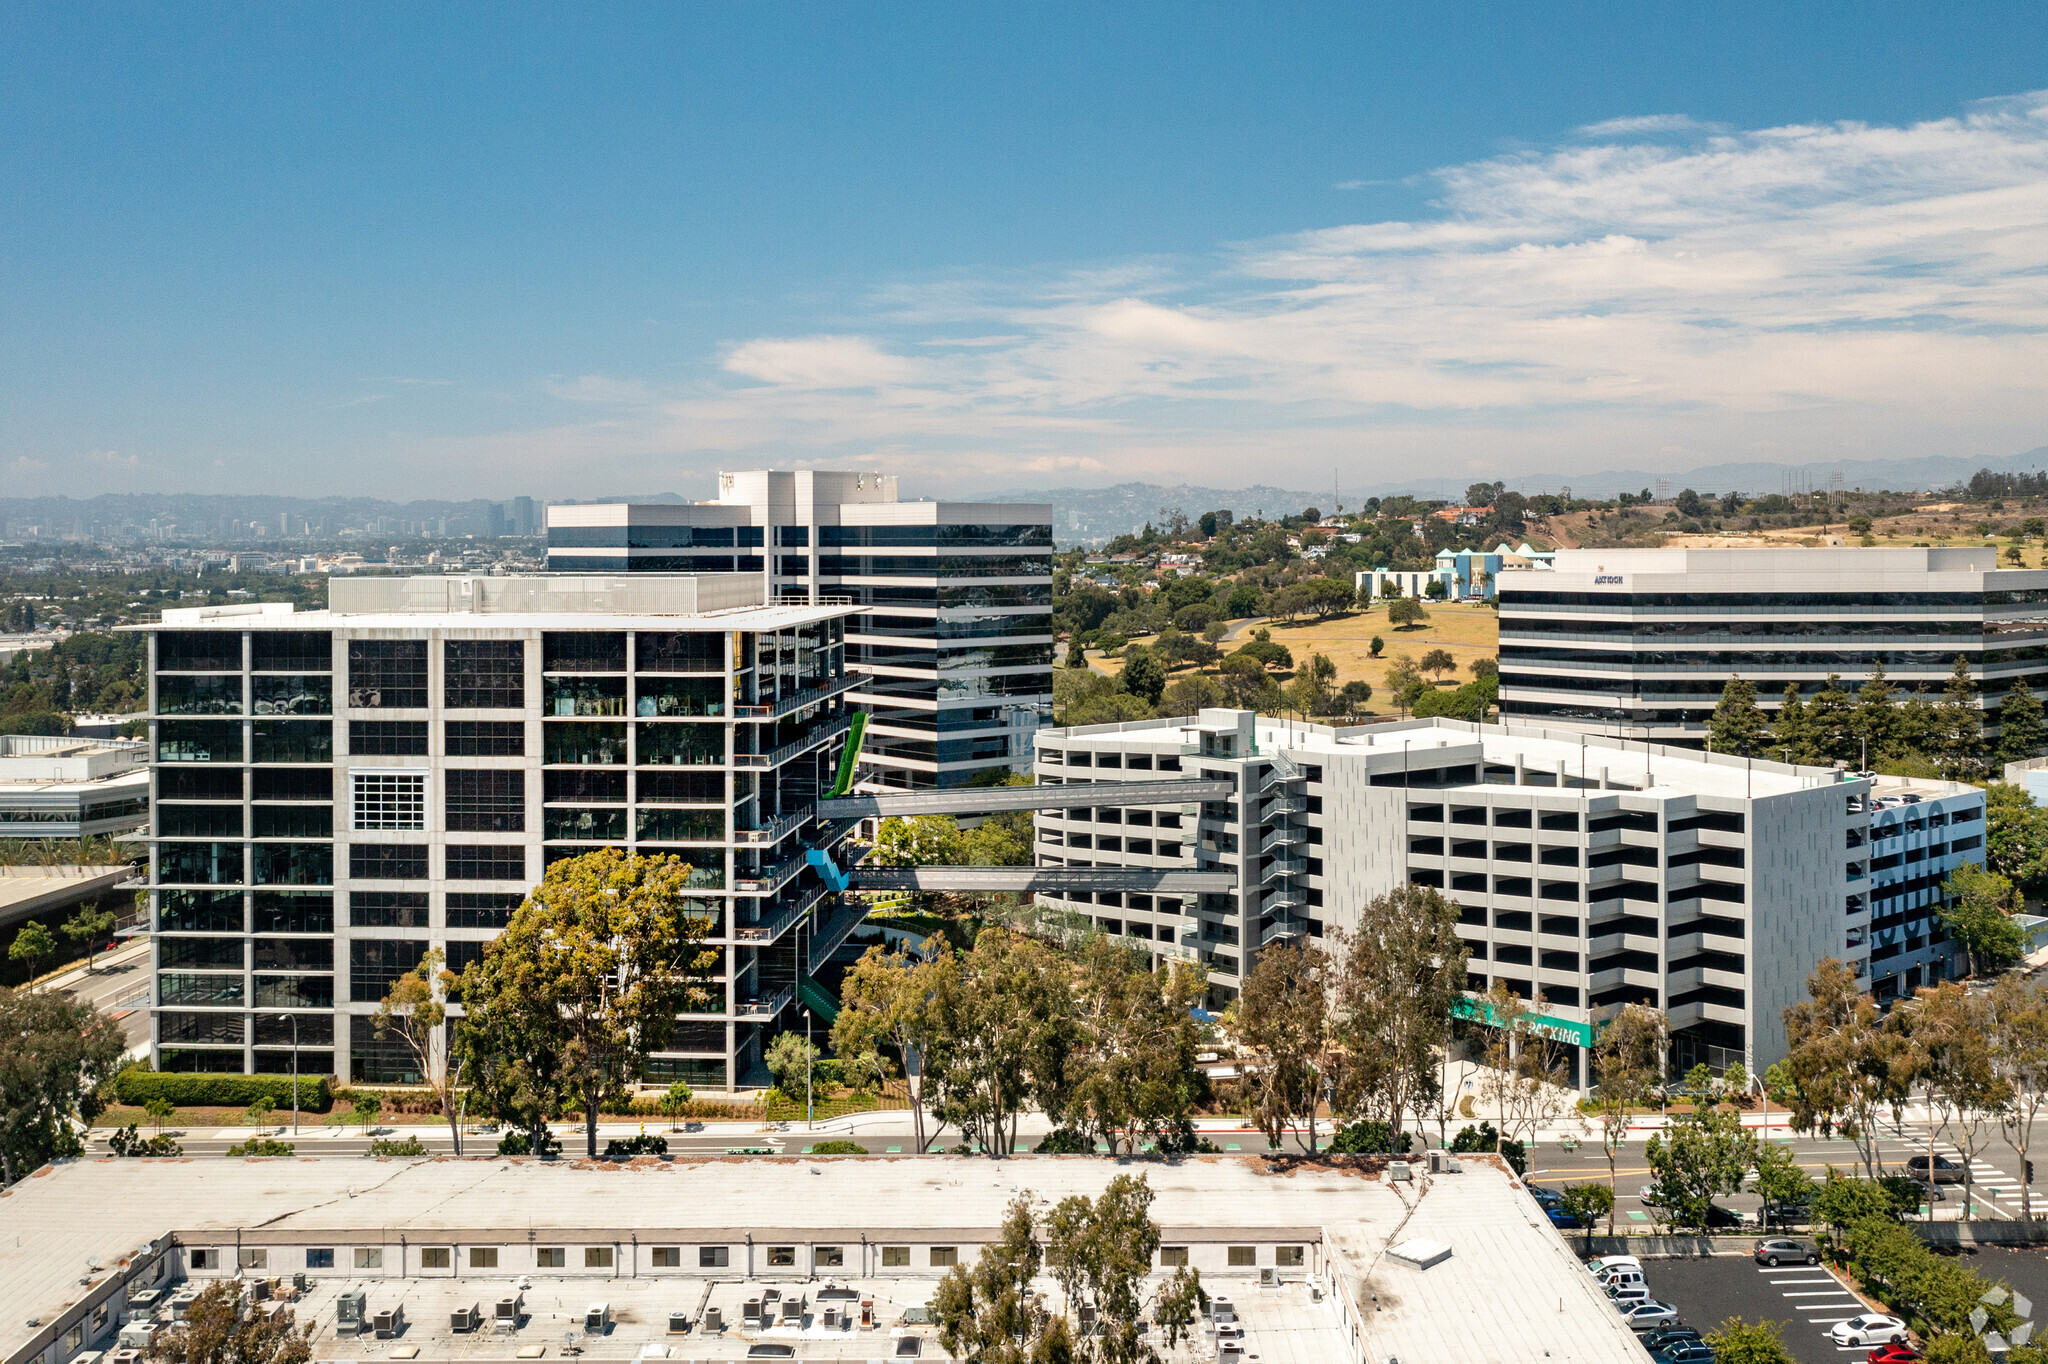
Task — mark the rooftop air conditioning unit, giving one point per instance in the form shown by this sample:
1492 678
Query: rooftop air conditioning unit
1268 1276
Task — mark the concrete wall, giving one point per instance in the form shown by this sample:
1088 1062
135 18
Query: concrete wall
1796 894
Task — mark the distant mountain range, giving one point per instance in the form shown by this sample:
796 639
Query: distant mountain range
1082 516
1090 516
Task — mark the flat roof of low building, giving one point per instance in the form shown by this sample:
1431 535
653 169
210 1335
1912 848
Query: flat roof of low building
73 1223
1626 762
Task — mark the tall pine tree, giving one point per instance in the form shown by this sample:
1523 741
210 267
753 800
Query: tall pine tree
1958 740
1830 722
1877 720
1738 725
2020 730
1790 738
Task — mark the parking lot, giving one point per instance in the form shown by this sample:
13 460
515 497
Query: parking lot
1804 1300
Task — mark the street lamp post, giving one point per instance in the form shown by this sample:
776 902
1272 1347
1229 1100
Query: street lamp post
294 1018
810 1108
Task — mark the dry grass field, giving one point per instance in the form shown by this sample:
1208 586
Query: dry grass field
1468 632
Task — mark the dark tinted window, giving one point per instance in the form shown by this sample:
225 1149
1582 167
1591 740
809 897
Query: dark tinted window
483 673
481 909
388 738
387 673
293 741
583 652
485 801
199 651
587 787
486 738
305 783
387 909
486 862
695 652
292 651
387 861
199 783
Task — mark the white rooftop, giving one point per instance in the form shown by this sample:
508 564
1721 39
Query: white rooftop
652 601
1626 762
68 1218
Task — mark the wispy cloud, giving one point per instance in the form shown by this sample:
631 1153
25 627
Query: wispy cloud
1653 291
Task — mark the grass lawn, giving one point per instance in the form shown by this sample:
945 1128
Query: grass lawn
1468 632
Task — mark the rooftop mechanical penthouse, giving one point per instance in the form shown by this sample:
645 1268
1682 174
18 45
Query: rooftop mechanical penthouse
335 793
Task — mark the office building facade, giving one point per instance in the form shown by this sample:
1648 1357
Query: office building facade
1623 641
1587 871
952 635
335 793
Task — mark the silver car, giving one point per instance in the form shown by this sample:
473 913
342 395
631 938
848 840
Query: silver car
1650 1316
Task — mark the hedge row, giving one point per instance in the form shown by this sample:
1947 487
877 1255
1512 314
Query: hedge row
190 1089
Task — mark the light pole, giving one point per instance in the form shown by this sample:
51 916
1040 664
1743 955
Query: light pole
810 1108
295 1068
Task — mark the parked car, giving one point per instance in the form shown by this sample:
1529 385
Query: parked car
1869 1329
1651 1197
1565 1221
1782 1214
1545 1197
1785 1251
1669 1336
1928 1193
1686 1352
1892 1354
1630 1295
1650 1313
1614 1280
1720 1218
1606 1262
1946 1171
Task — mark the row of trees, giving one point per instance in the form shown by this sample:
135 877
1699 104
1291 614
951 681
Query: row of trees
1977 1059
1102 1044
1099 1251
1910 734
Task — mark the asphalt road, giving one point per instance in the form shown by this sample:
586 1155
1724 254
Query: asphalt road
1994 1192
118 986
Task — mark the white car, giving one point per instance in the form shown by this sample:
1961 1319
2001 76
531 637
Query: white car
1870 1329
1601 1266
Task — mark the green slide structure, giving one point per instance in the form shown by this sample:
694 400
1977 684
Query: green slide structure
816 999
850 758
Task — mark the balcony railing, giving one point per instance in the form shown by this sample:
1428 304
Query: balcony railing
1284 866
809 696
778 756
775 832
755 1010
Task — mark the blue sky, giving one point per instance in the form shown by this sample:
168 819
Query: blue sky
570 250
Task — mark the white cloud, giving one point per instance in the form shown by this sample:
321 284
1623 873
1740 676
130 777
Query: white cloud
1652 292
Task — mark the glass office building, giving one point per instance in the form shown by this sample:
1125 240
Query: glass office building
952 637
336 793
1641 642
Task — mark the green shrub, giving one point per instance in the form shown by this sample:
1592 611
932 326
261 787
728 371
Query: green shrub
261 1146
136 1087
839 1148
1065 1141
1365 1137
1934 1295
1480 1139
524 1143
645 1144
397 1146
126 1141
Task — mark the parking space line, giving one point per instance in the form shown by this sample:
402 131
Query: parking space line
1821 1293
